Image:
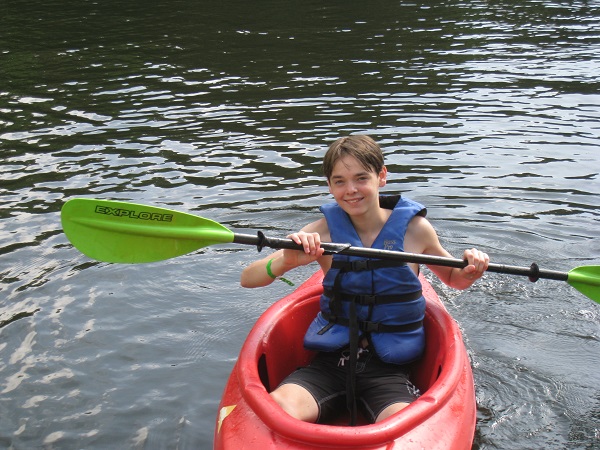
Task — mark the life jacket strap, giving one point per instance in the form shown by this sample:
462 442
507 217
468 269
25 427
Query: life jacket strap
367 326
365 264
372 300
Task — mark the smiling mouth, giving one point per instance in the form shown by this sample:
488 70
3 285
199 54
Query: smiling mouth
353 200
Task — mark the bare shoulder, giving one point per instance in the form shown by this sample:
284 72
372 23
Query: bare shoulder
419 225
420 236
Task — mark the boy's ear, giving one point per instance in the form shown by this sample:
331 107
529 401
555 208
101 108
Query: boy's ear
383 177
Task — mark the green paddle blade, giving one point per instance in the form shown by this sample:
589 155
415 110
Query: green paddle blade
122 232
586 279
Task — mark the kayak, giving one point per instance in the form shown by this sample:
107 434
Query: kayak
443 417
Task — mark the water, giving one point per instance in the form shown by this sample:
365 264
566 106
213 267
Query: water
487 113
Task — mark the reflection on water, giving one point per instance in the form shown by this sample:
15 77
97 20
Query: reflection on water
487 113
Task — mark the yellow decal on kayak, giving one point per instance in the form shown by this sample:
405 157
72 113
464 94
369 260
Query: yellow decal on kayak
225 411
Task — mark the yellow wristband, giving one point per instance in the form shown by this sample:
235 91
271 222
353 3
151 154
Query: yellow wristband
285 280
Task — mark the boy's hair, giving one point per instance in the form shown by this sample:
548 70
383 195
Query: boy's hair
363 148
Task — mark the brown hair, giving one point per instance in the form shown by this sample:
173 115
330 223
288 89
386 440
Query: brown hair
363 148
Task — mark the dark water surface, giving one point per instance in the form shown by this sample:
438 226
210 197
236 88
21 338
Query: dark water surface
488 113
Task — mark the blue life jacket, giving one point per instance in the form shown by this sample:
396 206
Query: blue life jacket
379 299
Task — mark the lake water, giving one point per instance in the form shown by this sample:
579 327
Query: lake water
488 113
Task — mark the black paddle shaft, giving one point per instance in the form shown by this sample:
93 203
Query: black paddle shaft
533 272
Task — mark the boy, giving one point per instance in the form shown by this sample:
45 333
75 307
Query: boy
370 327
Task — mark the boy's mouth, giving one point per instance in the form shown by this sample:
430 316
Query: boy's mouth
353 201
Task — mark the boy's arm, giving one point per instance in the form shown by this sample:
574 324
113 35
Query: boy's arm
424 239
256 274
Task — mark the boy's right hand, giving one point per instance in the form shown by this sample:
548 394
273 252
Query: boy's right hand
312 249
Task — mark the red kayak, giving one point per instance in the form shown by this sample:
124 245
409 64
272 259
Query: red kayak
442 418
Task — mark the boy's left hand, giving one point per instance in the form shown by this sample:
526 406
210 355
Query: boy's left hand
477 264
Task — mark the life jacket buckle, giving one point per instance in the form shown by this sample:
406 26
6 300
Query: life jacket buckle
361 264
369 300
368 327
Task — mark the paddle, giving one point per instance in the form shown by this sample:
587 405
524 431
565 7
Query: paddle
121 232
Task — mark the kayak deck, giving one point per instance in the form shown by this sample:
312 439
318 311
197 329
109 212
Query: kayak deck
443 417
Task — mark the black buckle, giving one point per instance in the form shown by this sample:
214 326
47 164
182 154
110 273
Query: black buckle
368 327
368 300
361 264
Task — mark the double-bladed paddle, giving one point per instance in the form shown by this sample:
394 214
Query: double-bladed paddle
121 232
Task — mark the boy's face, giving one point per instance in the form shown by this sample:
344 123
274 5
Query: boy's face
355 188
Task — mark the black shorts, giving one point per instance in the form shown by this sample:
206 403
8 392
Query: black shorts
378 384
